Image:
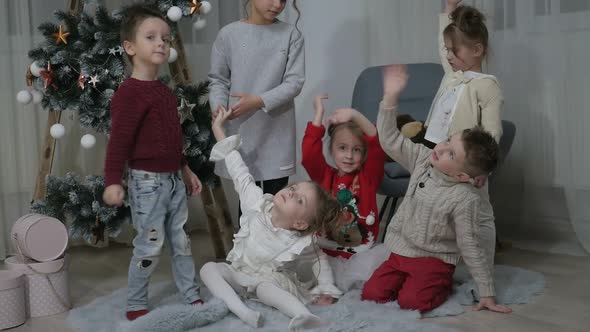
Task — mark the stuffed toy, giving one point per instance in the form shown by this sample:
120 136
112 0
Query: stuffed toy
414 130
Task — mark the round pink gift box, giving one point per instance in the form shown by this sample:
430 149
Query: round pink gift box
12 299
39 237
46 285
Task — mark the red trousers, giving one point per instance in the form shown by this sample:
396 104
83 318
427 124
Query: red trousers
421 283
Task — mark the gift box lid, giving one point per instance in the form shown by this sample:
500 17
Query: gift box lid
29 266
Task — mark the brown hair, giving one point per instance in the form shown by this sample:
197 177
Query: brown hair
134 16
467 27
294 7
481 151
327 213
354 128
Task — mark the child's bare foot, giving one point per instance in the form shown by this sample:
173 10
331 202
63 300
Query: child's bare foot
307 321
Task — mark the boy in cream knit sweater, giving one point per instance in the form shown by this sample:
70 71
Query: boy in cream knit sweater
436 224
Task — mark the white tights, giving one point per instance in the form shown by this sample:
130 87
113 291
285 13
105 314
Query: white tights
223 283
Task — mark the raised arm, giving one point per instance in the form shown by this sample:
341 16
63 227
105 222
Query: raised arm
443 22
349 114
312 151
398 147
451 6
226 149
375 161
318 106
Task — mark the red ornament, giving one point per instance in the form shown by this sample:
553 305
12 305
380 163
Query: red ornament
347 217
47 76
82 81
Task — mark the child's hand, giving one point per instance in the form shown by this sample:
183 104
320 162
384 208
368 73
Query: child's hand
479 181
490 304
191 181
342 115
113 195
324 300
247 103
452 5
218 121
215 112
395 78
318 105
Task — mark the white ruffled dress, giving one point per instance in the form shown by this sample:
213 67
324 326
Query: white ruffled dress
264 253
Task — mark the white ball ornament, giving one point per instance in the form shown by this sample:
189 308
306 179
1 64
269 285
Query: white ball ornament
200 23
205 7
174 14
57 131
87 141
24 97
173 55
35 69
370 219
37 96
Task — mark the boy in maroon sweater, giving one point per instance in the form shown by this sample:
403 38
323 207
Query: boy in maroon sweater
146 134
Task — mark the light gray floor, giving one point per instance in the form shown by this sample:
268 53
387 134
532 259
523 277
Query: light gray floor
564 305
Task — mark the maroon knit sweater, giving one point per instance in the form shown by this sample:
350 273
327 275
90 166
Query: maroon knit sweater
145 130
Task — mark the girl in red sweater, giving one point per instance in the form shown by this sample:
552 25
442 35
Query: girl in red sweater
357 155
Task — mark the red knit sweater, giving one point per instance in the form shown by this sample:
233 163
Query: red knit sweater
145 130
365 191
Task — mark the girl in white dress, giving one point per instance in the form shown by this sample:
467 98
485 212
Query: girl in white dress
275 240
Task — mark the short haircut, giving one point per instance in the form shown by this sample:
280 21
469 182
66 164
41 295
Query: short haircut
134 16
481 151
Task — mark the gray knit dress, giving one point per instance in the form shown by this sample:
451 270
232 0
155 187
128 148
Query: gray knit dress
267 61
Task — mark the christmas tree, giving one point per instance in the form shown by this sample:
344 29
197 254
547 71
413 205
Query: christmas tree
81 202
78 68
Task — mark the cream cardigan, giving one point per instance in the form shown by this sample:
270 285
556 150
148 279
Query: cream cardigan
481 101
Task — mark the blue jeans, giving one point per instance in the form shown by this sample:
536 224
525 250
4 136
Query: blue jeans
159 211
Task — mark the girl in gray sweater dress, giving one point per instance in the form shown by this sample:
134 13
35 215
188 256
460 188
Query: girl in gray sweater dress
257 69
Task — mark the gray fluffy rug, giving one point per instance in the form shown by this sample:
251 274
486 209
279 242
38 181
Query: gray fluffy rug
513 285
